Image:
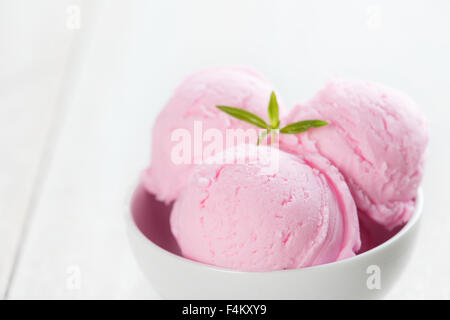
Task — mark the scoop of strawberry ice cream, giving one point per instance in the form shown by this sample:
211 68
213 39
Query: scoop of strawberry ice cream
376 137
192 110
240 216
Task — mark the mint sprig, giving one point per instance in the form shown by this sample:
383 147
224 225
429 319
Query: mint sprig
273 112
262 136
302 126
245 115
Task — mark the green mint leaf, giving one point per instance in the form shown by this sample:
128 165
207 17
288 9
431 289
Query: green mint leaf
262 136
273 111
302 126
244 115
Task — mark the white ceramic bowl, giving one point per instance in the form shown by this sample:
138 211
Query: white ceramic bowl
365 276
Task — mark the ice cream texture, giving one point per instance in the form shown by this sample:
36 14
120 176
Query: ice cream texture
194 102
338 190
232 216
376 137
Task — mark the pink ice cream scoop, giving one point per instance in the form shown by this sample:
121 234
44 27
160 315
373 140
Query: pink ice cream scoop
240 216
376 137
190 119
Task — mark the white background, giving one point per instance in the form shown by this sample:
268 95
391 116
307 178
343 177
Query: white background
77 105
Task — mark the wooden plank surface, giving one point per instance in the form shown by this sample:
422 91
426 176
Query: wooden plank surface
76 244
30 78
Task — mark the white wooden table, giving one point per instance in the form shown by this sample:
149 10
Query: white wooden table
76 107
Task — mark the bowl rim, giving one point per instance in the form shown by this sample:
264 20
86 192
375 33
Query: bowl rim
182 260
